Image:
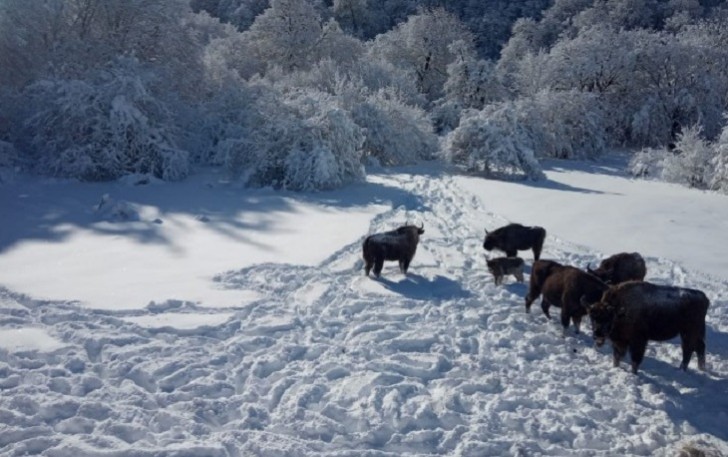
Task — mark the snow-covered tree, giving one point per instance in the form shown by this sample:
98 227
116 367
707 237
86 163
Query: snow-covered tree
421 46
396 133
719 163
694 162
494 140
691 162
471 82
102 127
286 34
298 141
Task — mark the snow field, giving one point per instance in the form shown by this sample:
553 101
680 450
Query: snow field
328 362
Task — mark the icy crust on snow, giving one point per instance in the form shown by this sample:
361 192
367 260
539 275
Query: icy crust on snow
328 362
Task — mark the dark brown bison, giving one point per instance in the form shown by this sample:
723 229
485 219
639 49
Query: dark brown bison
625 266
540 270
568 287
515 237
500 267
634 312
399 245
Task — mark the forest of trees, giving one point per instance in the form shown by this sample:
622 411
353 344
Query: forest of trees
304 94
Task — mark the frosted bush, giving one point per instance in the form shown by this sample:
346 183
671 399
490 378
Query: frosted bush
396 133
694 162
301 141
493 140
647 163
102 127
568 125
719 163
691 163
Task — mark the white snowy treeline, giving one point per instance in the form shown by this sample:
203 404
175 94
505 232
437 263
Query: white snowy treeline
302 94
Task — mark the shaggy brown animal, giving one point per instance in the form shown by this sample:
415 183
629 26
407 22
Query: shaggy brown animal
634 312
399 245
566 287
500 267
515 237
625 266
540 270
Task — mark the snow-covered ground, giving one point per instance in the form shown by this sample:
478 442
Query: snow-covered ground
201 319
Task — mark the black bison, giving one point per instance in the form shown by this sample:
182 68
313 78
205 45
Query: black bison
634 312
515 237
625 266
399 245
500 267
566 287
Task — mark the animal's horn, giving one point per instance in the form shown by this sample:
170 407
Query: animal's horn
422 225
486 231
588 268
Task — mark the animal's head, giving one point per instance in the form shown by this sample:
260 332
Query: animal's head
602 315
411 230
491 240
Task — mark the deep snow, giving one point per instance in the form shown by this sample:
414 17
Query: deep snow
202 319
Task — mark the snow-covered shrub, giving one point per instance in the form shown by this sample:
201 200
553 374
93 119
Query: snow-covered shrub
228 114
507 137
300 141
396 133
694 162
719 180
568 125
647 163
691 163
494 140
102 127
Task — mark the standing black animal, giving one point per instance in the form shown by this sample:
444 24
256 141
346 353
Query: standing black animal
625 266
566 287
515 237
500 267
631 313
399 245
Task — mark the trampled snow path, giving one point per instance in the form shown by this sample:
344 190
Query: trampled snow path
328 362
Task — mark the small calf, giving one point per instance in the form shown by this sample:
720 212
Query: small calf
500 267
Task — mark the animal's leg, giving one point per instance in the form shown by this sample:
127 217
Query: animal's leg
698 345
700 349
545 307
529 302
564 319
406 264
577 323
378 264
519 276
537 247
637 353
367 267
687 351
618 353
402 267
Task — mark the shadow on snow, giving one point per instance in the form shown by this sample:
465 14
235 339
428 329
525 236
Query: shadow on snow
420 288
43 209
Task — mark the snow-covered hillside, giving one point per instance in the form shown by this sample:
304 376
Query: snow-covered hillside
200 319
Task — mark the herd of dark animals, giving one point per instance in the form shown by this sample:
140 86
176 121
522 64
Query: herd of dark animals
621 306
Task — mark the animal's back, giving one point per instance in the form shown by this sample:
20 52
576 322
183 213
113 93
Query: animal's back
662 312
